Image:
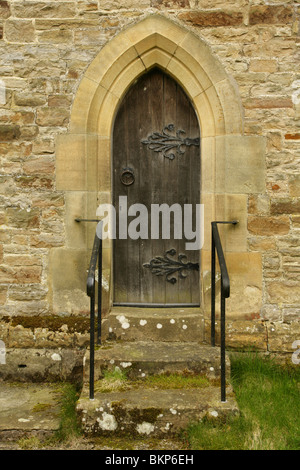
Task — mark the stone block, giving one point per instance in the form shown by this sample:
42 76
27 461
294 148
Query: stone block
76 202
263 65
118 4
20 274
44 10
46 240
29 292
281 336
246 335
71 161
52 117
39 165
29 132
228 94
286 292
267 226
236 235
211 122
259 204
187 80
169 4
241 160
4 9
296 221
87 93
263 244
167 325
202 54
295 136
270 14
68 274
245 273
60 101
29 99
28 182
19 31
285 206
213 18
59 36
268 103
9 132
21 218
48 199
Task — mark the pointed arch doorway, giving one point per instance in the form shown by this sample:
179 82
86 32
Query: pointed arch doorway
83 155
156 194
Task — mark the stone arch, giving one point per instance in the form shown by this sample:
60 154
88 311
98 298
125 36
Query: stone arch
157 41
83 165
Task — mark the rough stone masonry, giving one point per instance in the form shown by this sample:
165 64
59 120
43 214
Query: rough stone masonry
45 48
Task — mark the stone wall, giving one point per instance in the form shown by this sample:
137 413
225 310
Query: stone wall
45 48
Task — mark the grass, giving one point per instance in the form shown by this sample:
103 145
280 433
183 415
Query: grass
112 381
69 431
69 427
116 381
175 381
268 398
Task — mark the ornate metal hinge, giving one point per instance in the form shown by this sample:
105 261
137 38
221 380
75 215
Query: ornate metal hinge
164 142
165 266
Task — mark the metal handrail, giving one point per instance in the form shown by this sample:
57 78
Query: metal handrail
96 257
216 246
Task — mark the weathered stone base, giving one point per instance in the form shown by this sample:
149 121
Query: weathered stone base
154 324
141 409
141 359
28 410
155 413
42 365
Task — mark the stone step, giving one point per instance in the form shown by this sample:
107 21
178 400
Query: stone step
140 359
153 324
28 410
151 412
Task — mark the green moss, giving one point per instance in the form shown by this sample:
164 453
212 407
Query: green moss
79 324
41 407
148 415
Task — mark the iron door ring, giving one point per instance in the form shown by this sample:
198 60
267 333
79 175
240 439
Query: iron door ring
127 176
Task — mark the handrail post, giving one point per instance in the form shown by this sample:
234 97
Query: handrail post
91 292
216 245
99 318
223 345
213 291
92 344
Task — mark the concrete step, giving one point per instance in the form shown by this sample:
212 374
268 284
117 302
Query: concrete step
151 412
152 324
143 358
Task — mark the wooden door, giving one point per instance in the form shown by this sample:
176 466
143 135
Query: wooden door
156 160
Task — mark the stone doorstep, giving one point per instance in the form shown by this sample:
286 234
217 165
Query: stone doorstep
151 412
154 324
140 359
42 365
142 411
28 409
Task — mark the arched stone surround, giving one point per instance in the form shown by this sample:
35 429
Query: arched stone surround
232 164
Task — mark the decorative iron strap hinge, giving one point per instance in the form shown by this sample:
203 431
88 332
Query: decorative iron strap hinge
164 142
165 266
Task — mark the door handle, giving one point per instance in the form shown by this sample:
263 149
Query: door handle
127 176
